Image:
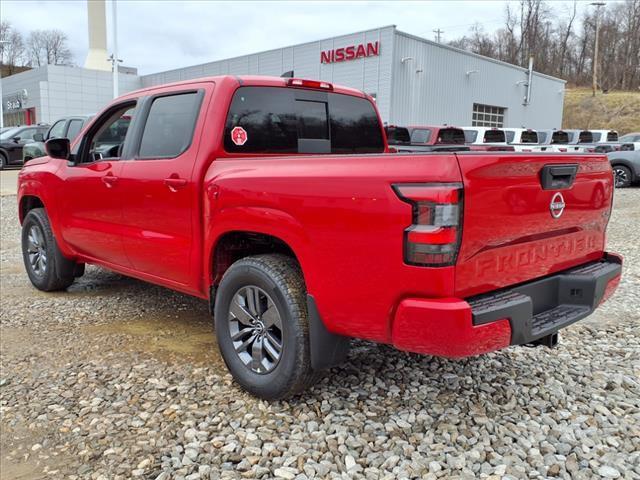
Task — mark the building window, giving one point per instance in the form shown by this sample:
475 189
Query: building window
487 116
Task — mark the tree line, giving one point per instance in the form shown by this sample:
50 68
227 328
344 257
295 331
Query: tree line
562 43
38 48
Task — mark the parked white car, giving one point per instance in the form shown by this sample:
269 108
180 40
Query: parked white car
604 136
522 139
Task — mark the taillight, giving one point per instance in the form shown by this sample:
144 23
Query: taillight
433 238
299 82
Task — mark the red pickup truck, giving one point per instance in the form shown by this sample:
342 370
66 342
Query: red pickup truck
278 202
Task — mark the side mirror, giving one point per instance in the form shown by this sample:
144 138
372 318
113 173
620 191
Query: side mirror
16 139
38 137
58 148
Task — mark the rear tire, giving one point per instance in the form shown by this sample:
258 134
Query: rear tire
46 267
622 176
3 161
262 326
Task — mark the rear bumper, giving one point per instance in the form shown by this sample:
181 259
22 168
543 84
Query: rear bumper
452 327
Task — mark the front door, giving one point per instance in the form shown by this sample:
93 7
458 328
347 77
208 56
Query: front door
91 196
160 195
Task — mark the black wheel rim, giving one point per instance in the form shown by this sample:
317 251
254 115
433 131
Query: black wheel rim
621 177
255 325
37 250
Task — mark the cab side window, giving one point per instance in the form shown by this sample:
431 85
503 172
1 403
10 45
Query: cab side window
170 124
57 131
107 140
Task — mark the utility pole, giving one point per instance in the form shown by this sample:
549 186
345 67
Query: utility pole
438 32
114 56
1 101
594 86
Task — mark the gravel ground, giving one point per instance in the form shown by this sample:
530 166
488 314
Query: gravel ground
118 379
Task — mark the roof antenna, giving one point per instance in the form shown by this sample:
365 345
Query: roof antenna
288 74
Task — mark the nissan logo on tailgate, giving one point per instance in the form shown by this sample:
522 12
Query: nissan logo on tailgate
557 205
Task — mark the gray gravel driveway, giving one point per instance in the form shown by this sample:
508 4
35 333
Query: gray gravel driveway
118 379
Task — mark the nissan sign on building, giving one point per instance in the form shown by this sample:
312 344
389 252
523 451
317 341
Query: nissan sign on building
414 81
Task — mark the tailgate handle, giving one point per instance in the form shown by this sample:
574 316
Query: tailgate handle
556 177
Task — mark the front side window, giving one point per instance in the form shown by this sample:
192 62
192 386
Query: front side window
107 139
420 135
75 126
57 130
274 120
27 134
170 124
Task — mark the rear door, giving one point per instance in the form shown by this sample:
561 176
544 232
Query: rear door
160 195
526 216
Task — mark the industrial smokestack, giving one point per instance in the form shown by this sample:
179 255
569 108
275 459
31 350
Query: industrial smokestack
97 56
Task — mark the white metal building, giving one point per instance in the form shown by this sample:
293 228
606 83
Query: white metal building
415 81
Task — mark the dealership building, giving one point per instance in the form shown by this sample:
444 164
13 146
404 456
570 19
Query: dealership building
414 81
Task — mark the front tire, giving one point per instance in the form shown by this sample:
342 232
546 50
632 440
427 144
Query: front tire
46 267
622 176
262 326
3 161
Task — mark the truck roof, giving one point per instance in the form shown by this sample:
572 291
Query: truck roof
246 80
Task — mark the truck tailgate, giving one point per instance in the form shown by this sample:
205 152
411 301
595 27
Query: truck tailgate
516 230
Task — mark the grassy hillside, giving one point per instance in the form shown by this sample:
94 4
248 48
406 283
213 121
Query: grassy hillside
616 110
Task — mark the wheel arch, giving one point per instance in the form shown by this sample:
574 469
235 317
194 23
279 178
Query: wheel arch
29 202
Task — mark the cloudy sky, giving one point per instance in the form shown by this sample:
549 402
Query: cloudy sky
160 35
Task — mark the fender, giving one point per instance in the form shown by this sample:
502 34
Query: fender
30 186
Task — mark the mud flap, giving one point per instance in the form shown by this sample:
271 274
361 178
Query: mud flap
327 349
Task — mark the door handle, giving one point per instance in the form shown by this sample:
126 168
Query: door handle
109 180
175 183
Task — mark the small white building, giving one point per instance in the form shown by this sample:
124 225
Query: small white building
414 81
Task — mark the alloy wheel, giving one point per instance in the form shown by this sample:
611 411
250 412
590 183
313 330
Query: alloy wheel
621 177
37 250
255 326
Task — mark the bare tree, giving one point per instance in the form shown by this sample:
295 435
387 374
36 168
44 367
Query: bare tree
562 44
11 47
48 47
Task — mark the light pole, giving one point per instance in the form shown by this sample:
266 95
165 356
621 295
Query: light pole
1 101
594 86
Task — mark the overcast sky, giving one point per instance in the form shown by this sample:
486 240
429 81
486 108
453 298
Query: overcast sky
160 35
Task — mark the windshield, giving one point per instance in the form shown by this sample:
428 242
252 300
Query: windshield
9 133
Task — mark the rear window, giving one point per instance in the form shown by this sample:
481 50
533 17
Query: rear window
289 120
398 135
420 135
542 137
560 137
585 137
450 136
470 136
612 136
494 136
529 136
